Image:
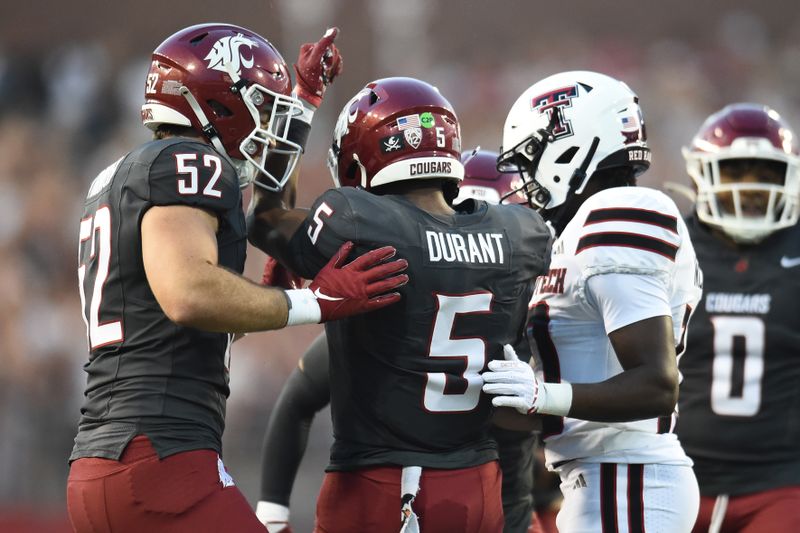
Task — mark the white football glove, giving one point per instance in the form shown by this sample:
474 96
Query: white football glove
274 516
516 385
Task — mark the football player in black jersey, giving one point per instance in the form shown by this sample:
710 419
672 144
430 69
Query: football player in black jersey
405 383
162 248
307 390
739 399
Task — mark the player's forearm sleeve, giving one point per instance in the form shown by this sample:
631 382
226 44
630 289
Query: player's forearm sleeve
516 450
287 432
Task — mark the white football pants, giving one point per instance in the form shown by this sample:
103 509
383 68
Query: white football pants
627 498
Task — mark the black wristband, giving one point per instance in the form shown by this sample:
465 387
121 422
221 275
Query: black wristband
299 130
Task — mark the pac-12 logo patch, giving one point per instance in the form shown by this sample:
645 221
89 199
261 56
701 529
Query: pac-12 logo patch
413 136
553 103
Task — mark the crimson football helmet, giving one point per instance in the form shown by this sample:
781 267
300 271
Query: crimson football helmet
395 129
745 132
482 180
231 85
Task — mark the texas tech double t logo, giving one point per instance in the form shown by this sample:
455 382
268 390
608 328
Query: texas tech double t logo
552 103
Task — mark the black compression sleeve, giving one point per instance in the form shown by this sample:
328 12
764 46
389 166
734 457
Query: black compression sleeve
305 393
299 132
277 158
516 454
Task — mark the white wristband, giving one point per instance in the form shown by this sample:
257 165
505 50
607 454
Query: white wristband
556 400
307 115
271 512
409 480
303 307
308 112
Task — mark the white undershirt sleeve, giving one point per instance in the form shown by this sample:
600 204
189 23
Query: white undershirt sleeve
627 298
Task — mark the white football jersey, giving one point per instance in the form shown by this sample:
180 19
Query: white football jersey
637 234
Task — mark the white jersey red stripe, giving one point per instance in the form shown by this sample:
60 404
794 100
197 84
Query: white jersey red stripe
630 231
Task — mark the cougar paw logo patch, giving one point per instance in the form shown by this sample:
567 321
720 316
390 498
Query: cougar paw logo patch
229 51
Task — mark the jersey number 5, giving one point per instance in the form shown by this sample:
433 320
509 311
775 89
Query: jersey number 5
313 231
472 350
98 229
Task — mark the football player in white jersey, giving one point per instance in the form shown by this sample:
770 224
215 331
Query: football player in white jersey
606 324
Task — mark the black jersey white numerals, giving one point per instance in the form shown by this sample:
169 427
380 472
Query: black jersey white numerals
405 380
146 373
739 399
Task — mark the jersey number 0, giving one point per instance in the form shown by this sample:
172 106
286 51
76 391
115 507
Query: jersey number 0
750 330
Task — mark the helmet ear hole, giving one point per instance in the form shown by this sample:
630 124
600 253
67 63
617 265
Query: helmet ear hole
567 155
219 109
350 172
373 98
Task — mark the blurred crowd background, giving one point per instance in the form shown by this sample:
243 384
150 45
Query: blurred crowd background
71 83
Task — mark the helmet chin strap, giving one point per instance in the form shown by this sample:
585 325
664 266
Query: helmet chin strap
562 217
362 170
208 129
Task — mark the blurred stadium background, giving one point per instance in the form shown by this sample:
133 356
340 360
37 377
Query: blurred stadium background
71 83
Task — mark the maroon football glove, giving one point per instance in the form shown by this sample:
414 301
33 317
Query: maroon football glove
359 286
277 275
317 65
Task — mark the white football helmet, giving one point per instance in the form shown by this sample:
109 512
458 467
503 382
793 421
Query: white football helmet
745 132
568 125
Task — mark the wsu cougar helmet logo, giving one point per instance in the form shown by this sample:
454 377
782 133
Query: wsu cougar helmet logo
227 51
347 116
552 104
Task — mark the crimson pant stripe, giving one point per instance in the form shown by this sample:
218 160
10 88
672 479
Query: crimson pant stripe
608 497
665 422
628 240
645 216
635 498
685 322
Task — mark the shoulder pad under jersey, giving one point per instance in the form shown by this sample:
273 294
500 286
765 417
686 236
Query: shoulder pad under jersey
632 230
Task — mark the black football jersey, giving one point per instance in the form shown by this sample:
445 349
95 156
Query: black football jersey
307 391
405 380
147 374
740 400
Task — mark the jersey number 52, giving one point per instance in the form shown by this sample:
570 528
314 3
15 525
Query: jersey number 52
95 231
